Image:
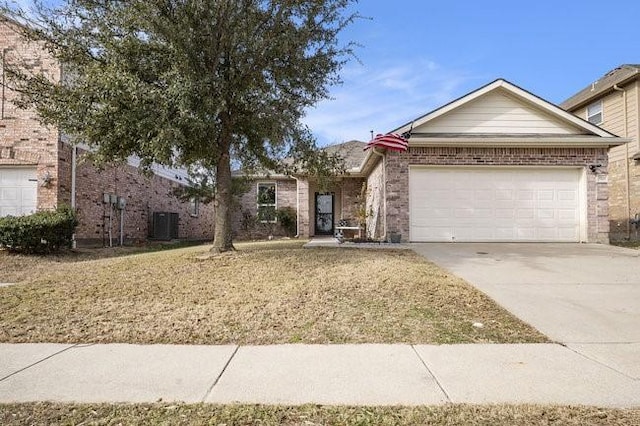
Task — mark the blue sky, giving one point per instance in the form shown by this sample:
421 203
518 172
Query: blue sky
420 54
417 55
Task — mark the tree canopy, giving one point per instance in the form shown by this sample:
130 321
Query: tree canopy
195 83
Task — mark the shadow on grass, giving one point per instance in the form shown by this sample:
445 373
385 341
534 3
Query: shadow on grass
94 253
85 253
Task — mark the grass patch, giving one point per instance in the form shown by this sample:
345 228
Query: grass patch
627 244
264 293
310 415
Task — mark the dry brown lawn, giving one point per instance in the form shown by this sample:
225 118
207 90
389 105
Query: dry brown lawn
264 293
311 415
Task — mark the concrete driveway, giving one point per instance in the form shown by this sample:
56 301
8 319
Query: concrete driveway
585 296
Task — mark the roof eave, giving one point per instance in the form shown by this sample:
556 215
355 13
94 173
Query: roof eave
519 142
368 163
599 93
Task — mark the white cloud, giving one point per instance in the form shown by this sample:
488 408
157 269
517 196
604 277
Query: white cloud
383 98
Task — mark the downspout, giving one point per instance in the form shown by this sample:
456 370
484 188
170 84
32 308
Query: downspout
74 158
110 222
297 207
626 160
384 189
121 224
4 54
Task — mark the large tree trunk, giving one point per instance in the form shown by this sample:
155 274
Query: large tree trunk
222 238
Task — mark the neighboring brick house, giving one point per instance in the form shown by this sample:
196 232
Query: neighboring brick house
39 171
613 103
498 164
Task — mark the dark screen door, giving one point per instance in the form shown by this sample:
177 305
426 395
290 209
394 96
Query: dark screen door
324 213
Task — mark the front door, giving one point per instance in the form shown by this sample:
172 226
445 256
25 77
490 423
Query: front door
324 213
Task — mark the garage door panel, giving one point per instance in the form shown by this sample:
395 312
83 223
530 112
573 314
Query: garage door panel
495 204
18 191
527 195
28 196
568 234
544 195
429 234
525 214
525 234
564 195
464 194
501 213
434 195
8 194
547 214
504 195
567 215
505 233
9 211
464 213
483 195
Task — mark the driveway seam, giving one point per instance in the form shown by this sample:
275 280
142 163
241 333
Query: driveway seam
432 373
598 362
38 362
215 382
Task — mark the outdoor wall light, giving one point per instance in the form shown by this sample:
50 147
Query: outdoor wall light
45 179
594 167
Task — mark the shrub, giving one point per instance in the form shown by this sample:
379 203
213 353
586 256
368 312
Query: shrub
288 220
42 232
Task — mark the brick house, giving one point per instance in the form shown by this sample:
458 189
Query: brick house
39 170
498 164
613 103
265 194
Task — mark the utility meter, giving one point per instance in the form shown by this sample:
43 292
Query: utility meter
122 202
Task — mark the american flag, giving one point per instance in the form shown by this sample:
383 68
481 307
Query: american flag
391 141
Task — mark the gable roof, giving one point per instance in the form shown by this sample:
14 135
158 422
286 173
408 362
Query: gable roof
352 152
602 86
500 85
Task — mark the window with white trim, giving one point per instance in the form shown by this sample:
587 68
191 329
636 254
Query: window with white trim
194 207
594 113
266 200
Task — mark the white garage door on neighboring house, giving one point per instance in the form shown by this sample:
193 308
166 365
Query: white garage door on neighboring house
467 204
18 191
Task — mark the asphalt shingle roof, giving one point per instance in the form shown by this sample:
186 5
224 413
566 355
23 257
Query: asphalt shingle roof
602 85
352 152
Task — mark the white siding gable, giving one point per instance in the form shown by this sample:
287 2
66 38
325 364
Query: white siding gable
498 113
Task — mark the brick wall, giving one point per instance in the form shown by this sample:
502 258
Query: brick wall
23 140
350 192
397 184
619 213
304 199
375 202
144 195
244 216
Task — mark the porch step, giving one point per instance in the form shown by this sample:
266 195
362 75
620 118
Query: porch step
322 242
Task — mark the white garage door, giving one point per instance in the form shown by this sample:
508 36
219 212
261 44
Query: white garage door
494 204
18 191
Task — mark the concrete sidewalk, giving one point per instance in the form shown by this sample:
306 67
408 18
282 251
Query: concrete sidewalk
364 374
